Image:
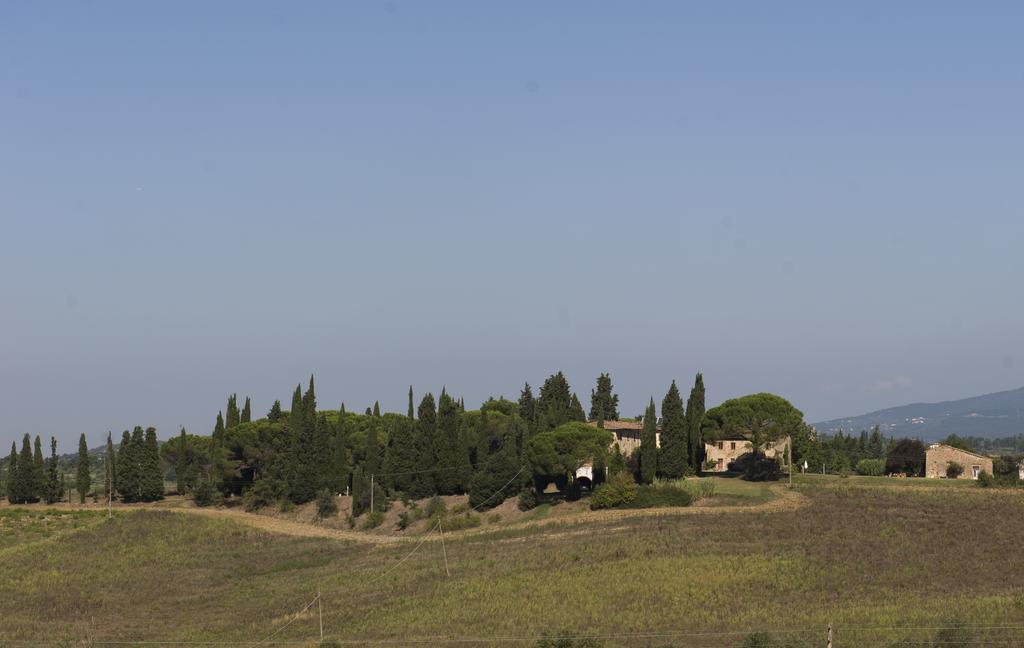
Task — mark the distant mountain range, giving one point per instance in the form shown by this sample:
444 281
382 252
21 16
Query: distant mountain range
993 415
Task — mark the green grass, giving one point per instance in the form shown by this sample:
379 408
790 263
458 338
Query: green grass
857 556
22 526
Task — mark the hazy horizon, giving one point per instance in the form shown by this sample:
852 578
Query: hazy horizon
195 200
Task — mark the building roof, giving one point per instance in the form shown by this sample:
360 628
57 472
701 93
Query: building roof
936 446
611 426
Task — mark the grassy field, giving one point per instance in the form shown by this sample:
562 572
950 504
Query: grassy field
882 560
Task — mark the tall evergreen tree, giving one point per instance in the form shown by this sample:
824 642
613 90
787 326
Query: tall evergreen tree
247 411
110 465
576 412
83 476
54 483
694 420
131 468
25 478
673 460
412 413
449 446
233 415
301 430
402 455
122 463
527 405
604 405
274 415
12 475
426 427
218 431
39 472
649 445
554 406
181 463
152 473
342 456
376 408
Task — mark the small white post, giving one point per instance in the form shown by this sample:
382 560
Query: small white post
320 611
371 493
444 550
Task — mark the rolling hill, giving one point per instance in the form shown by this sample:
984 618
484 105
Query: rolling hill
1000 414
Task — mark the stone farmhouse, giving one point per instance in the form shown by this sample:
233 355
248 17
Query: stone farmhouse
938 456
719 454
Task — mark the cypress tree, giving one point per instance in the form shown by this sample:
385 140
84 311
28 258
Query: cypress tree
309 405
369 411
426 425
233 416
449 446
649 446
528 407
412 414
218 431
376 408
274 415
604 405
12 475
54 486
342 458
39 471
576 410
305 449
554 405
123 453
111 468
247 411
152 472
25 477
694 419
402 455
83 476
323 453
674 457
181 463
131 469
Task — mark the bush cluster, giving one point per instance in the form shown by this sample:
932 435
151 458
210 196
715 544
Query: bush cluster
762 469
871 467
620 490
660 496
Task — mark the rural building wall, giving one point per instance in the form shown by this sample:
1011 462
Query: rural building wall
722 453
938 456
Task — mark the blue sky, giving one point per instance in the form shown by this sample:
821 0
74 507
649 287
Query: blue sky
819 200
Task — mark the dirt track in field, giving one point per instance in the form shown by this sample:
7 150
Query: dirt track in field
785 500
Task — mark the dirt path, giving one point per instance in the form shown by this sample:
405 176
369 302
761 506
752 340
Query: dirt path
785 500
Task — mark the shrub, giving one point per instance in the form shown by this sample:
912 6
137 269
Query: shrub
619 490
762 469
906 457
871 467
567 641
263 493
660 496
527 499
285 505
954 470
986 480
326 504
373 519
458 522
202 493
701 489
436 507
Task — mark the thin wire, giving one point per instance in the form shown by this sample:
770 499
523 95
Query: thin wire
293 620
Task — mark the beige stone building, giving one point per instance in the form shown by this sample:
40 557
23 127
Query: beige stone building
719 454
626 434
938 456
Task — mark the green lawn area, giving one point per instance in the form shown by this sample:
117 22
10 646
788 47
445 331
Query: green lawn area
881 564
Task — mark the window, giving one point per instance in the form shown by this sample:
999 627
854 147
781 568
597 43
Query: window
732 445
721 463
720 445
975 470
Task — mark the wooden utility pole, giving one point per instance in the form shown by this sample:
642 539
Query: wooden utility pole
320 611
444 550
789 452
